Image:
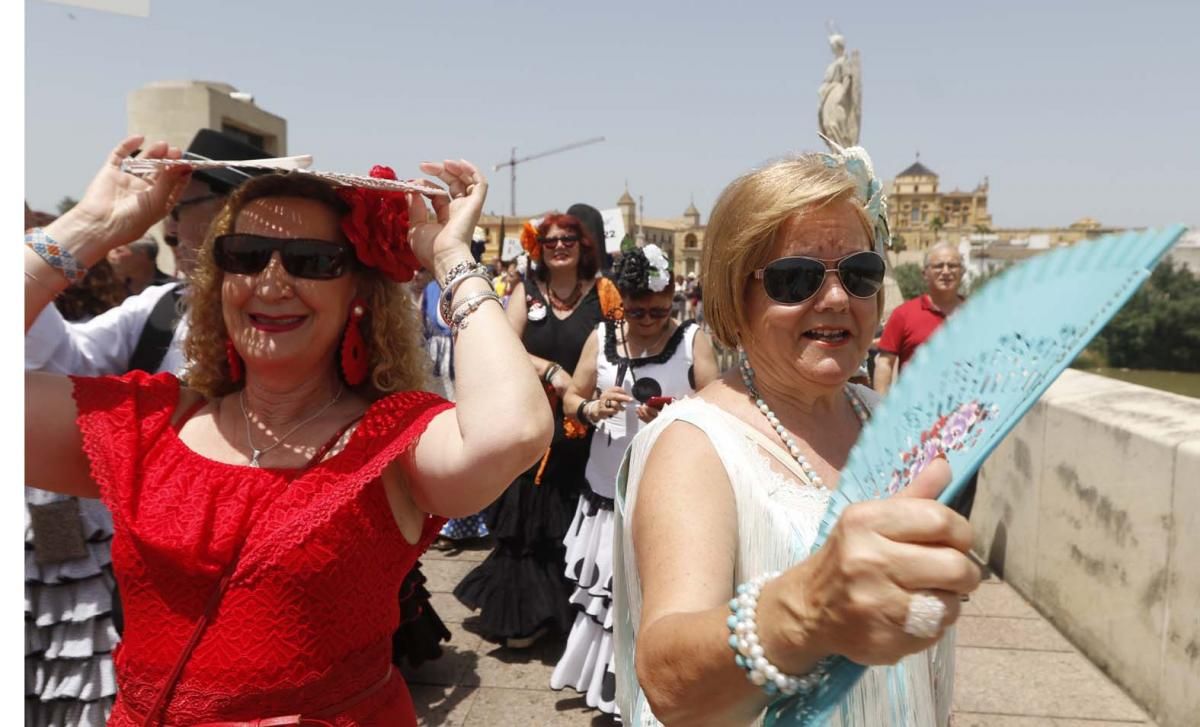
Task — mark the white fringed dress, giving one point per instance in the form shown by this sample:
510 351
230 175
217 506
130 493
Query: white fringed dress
777 520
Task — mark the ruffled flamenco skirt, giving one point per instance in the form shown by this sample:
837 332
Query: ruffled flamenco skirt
520 587
419 637
587 662
69 631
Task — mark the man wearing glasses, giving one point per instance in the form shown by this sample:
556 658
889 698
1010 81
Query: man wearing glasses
147 330
913 322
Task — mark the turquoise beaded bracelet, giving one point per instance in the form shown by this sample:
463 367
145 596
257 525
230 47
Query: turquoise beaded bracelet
748 652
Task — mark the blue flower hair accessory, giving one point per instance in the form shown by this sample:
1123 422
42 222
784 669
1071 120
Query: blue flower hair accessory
869 190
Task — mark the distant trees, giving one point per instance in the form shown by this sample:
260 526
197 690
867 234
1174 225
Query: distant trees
1159 328
908 277
65 204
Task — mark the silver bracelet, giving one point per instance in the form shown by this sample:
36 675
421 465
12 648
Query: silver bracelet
454 278
464 309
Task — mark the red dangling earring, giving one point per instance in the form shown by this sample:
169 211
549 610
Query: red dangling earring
354 348
235 361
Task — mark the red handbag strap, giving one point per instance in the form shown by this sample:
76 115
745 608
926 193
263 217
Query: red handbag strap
210 610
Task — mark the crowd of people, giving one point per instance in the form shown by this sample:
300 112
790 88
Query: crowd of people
234 471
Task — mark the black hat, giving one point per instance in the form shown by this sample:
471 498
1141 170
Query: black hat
592 221
210 144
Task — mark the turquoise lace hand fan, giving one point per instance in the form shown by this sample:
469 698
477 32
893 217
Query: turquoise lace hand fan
971 383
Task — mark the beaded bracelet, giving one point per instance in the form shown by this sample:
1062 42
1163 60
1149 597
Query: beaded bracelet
454 278
55 255
459 320
748 652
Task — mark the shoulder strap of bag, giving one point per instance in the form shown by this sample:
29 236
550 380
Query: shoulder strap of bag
156 336
213 602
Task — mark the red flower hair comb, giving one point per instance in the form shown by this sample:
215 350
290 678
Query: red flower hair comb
377 227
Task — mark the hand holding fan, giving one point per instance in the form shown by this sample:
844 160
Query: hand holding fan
971 383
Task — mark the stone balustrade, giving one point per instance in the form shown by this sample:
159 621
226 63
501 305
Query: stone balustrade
1090 508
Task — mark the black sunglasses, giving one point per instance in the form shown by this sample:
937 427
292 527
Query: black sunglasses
792 280
639 313
567 241
243 254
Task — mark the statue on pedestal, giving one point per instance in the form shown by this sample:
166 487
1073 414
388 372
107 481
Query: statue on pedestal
839 116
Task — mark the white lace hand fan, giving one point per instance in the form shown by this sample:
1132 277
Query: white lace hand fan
146 167
971 383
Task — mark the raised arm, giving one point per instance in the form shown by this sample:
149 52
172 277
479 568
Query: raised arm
116 209
465 459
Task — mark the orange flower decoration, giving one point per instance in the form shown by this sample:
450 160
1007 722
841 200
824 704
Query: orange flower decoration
529 241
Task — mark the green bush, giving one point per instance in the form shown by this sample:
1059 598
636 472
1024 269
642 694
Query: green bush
1159 328
908 277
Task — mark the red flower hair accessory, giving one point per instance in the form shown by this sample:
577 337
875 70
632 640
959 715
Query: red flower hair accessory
377 226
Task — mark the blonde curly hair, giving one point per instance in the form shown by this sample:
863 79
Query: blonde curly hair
392 327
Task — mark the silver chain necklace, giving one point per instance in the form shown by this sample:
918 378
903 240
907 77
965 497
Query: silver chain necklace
256 452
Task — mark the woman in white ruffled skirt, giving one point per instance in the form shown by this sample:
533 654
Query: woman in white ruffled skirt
628 370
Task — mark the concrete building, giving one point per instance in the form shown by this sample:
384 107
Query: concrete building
176 110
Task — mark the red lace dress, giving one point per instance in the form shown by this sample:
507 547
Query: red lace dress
306 621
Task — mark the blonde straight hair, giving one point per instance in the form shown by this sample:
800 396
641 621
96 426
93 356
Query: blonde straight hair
745 221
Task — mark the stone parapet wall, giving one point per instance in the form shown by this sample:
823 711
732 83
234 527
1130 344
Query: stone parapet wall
1091 509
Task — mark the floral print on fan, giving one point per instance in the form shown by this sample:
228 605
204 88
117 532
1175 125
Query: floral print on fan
951 432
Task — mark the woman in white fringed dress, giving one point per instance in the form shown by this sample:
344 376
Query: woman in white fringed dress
730 487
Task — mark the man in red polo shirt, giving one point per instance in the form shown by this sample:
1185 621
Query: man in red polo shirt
914 321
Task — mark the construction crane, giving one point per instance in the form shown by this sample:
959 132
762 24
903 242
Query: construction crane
513 161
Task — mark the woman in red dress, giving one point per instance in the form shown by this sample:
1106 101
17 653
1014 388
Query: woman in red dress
266 512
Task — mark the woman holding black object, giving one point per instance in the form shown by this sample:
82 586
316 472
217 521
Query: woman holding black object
629 369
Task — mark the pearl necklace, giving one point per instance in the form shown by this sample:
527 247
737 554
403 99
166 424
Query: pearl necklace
788 440
256 452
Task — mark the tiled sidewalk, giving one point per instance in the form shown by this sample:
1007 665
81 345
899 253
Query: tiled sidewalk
1013 670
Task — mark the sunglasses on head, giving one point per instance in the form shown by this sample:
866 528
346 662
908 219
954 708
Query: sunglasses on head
567 241
639 313
243 254
792 280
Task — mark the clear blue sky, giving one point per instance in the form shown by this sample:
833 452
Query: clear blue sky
1071 108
